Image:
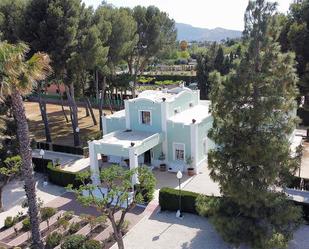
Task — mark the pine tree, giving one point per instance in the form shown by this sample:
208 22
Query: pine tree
251 107
219 60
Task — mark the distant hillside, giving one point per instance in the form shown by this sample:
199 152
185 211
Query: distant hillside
190 33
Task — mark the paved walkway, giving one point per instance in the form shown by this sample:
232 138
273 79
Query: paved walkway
14 195
164 230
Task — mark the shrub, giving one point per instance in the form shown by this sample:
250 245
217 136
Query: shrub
47 213
147 184
92 244
53 240
206 205
61 177
10 221
74 227
68 215
74 241
26 224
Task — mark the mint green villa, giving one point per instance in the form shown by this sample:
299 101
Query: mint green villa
159 126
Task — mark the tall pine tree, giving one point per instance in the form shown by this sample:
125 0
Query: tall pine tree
251 107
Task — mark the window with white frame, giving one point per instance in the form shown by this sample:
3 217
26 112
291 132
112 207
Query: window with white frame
179 152
145 117
205 146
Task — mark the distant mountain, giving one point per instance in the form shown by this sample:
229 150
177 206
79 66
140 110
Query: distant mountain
190 33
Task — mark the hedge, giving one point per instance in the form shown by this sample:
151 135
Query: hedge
62 178
186 78
169 200
40 164
296 182
68 149
42 145
304 115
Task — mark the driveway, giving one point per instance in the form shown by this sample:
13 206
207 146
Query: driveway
164 230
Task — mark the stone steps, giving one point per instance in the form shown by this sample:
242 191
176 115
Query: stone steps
26 235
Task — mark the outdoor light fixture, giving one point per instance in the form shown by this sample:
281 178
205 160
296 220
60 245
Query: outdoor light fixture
132 144
42 153
178 213
193 121
77 129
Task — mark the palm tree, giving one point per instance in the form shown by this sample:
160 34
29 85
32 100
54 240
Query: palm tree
17 76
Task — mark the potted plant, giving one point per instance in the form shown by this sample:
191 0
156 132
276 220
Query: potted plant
190 169
162 167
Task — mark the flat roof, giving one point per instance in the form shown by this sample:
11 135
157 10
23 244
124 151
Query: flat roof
125 138
157 95
198 112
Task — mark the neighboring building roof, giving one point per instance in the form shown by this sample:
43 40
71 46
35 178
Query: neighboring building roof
119 114
198 112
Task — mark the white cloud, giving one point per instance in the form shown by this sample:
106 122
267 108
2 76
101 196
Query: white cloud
200 13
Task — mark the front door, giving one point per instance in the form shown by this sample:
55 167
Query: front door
147 157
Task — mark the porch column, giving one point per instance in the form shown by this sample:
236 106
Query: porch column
133 164
104 130
194 145
127 113
94 164
164 127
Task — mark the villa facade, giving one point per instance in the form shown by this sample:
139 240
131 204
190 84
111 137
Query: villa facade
158 127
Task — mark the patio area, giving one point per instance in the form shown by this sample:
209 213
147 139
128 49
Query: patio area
200 183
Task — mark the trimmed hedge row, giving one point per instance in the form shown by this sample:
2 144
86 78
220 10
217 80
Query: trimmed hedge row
304 115
169 200
40 164
62 148
186 78
68 149
62 178
296 183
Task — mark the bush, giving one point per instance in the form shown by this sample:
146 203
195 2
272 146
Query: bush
47 212
92 244
305 210
169 200
26 224
73 242
62 178
53 240
74 227
147 184
206 205
10 221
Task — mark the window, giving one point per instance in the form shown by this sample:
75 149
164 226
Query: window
145 117
179 152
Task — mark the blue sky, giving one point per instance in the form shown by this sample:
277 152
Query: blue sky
199 13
